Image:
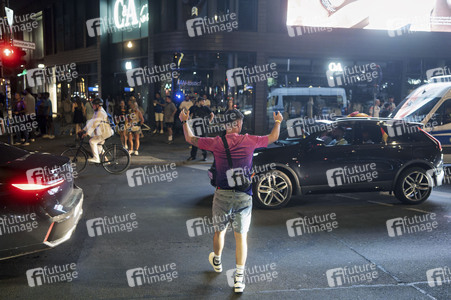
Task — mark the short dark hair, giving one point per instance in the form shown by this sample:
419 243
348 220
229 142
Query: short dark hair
232 115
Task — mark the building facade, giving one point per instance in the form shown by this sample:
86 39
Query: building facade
108 38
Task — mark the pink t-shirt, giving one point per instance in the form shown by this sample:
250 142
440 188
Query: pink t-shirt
241 149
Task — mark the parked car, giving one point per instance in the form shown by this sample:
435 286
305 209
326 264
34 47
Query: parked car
40 204
350 155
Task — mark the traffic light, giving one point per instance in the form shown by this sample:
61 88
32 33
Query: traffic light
12 57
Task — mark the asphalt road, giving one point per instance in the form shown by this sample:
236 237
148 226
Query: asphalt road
152 232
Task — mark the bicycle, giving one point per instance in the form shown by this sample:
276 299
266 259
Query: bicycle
115 159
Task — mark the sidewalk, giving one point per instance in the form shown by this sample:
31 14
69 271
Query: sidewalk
154 149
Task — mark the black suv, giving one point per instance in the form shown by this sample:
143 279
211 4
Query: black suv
349 155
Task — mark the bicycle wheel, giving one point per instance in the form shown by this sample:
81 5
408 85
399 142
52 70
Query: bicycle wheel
116 159
78 158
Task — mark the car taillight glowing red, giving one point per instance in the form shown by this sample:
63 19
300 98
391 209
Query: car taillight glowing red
36 187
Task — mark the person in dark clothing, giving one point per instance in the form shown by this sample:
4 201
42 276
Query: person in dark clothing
385 110
200 111
42 113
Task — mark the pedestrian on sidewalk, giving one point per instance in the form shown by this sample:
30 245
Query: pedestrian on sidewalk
158 104
231 203
19 110
79 111
50 127
42 113
120 117
136 119
169 113
30 108
203 112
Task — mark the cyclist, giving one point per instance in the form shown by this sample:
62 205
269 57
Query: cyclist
98 128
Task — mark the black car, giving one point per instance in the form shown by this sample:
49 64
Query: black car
40 205
349 155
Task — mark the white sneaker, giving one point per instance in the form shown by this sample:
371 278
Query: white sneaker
45 136
51 137
126 147
26 144
92 160
161 132
32 140
130 151
216 267
136 152
239 283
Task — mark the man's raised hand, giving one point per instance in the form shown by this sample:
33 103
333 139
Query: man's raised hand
278 116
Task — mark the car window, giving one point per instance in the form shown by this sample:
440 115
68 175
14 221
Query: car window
370 134
342 134
10 153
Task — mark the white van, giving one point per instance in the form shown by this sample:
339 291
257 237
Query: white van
430 104
297 102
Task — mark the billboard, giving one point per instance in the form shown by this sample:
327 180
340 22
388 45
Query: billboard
418 15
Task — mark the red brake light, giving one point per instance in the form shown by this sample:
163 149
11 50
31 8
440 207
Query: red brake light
36 187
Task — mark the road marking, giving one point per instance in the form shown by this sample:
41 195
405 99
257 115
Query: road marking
346 196
380 203
441 194
419 210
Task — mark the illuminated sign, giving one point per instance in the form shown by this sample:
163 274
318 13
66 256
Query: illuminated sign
126 14
335 67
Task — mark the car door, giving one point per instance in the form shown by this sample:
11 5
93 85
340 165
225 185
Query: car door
323 163
379 155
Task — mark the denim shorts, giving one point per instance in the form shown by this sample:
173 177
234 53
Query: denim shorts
234 207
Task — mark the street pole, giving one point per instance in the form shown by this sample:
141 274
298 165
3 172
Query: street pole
5 39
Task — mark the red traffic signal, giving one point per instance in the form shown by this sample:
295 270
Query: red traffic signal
12 57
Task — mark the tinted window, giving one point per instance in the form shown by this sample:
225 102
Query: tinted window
370 134
10 153
342 134
407 133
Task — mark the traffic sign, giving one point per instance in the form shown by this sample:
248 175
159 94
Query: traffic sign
24 44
